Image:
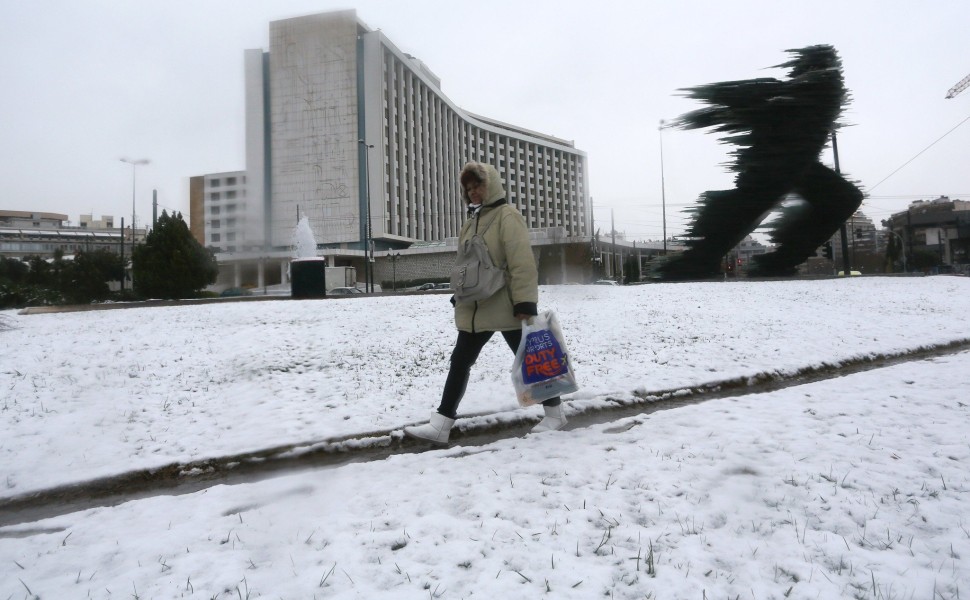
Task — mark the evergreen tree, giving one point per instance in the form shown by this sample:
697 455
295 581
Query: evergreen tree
13 270
85 279
40 273
13 274
171 263
27 282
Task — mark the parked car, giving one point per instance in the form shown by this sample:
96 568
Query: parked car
235 292
424 287
442 286
344 291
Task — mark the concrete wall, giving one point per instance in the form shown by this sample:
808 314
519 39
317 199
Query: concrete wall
332 81
257 152
313 103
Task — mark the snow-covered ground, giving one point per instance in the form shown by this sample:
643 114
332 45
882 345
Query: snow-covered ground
852 487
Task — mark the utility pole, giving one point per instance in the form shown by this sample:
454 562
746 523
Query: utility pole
121 240
852 229
594 246
134 165
845 242
368 240
613 254
663 185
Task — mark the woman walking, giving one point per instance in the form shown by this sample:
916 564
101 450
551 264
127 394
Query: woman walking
507 239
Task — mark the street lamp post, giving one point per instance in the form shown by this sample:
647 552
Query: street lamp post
663 186
394 257
853 234
846 267
134 165
368 249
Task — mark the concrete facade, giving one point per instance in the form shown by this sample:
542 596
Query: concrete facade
327 83
89 222
258 153
218 206
314 115
341 126
940 226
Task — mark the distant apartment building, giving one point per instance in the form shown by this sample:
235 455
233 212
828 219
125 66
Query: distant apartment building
941 226
89 222
862 237
218 205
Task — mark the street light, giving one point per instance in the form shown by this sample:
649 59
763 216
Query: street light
394 257
663 186
368 250
134 165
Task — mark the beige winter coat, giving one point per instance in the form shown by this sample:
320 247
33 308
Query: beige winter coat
507 238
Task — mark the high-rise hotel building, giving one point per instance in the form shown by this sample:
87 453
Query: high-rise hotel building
340 124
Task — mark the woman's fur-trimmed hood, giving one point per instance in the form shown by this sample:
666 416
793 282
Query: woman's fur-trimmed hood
494 189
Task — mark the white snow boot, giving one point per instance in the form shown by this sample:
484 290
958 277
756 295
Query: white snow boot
553 420
436 431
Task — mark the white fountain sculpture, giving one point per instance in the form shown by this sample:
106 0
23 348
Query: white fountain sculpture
307 272
304 243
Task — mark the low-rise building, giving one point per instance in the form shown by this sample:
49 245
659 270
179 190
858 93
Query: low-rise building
940 226
27 233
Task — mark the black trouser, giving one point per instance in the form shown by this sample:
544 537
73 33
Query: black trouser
466 351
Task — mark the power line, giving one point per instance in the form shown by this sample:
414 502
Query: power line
914 196
920 152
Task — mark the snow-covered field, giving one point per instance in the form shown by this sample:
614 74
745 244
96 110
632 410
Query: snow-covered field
852 487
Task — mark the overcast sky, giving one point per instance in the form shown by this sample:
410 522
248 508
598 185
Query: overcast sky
87 82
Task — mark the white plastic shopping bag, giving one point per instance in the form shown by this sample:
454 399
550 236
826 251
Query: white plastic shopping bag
541 369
